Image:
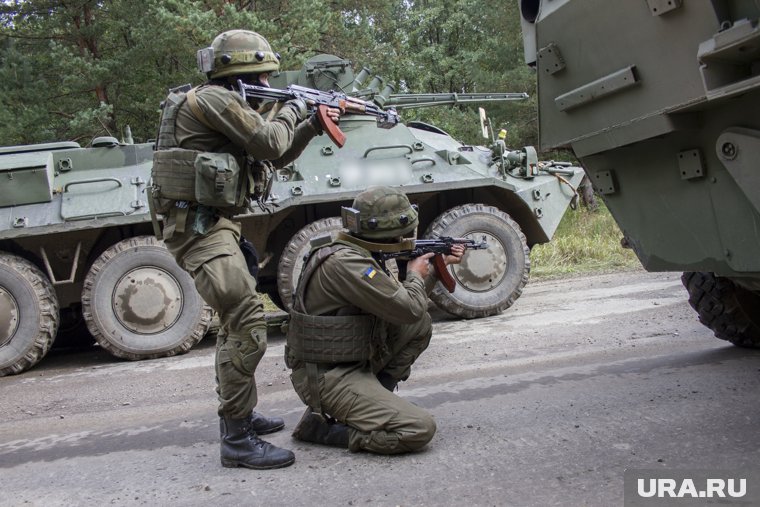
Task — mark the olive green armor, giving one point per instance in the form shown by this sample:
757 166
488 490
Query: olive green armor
327 339
218 180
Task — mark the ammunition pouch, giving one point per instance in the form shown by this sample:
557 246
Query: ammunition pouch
211 179
329 339
219 182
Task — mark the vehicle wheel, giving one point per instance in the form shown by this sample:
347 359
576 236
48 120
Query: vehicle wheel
28 314
291 261
731 311
139 304
487 281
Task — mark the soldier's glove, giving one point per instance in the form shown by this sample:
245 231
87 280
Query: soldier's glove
299 106
314 120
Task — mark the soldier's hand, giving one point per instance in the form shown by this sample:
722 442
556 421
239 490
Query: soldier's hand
420 265
334 114
457 251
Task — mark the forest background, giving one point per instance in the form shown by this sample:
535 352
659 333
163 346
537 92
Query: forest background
78 69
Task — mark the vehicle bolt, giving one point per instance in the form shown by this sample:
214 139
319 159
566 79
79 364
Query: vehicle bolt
728 150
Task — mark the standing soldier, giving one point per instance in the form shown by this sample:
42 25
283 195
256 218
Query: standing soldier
214 153
355 332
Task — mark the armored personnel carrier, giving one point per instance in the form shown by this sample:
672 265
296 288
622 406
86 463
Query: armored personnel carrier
76 240
658 99
508 196
76 245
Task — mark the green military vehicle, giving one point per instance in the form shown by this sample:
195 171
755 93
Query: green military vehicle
658 98
506 196
76 241
76 246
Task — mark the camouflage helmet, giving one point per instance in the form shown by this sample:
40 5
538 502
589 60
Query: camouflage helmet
242 52
384 213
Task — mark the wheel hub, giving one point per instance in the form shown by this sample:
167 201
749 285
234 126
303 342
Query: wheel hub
482 270
147 300
8 316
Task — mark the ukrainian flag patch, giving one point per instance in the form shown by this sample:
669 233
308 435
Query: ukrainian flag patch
369 273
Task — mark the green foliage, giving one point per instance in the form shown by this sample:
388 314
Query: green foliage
80 69
585 241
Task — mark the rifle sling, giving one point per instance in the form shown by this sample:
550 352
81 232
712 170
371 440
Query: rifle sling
192 101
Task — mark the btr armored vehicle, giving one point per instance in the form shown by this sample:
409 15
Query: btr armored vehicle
658 99
76 247
76 241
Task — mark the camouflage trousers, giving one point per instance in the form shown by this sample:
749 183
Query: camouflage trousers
379 420
221 276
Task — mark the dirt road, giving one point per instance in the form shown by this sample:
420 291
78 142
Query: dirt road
546 404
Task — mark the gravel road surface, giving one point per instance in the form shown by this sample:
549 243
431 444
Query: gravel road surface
546 404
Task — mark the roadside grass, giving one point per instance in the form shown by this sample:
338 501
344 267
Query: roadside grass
585 242
269 307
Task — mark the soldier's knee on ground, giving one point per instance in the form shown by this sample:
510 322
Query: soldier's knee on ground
413 436
419 434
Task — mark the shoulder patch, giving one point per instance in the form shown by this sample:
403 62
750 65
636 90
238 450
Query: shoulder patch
369 273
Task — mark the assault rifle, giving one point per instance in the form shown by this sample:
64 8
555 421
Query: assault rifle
321 101
440 247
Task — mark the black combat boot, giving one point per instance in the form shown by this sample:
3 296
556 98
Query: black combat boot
242 447
263 425
313 428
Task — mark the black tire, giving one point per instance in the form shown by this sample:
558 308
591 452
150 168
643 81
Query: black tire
487 281
139 304
28 314
731 311
291 261
72 330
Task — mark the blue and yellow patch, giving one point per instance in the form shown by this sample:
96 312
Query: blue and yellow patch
369 273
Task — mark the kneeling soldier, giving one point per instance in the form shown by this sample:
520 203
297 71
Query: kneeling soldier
355 332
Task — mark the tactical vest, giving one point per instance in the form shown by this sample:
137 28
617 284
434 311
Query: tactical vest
211 179
325 339
173 170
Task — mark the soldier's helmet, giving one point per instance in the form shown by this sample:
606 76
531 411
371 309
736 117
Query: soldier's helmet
242 52
384 213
